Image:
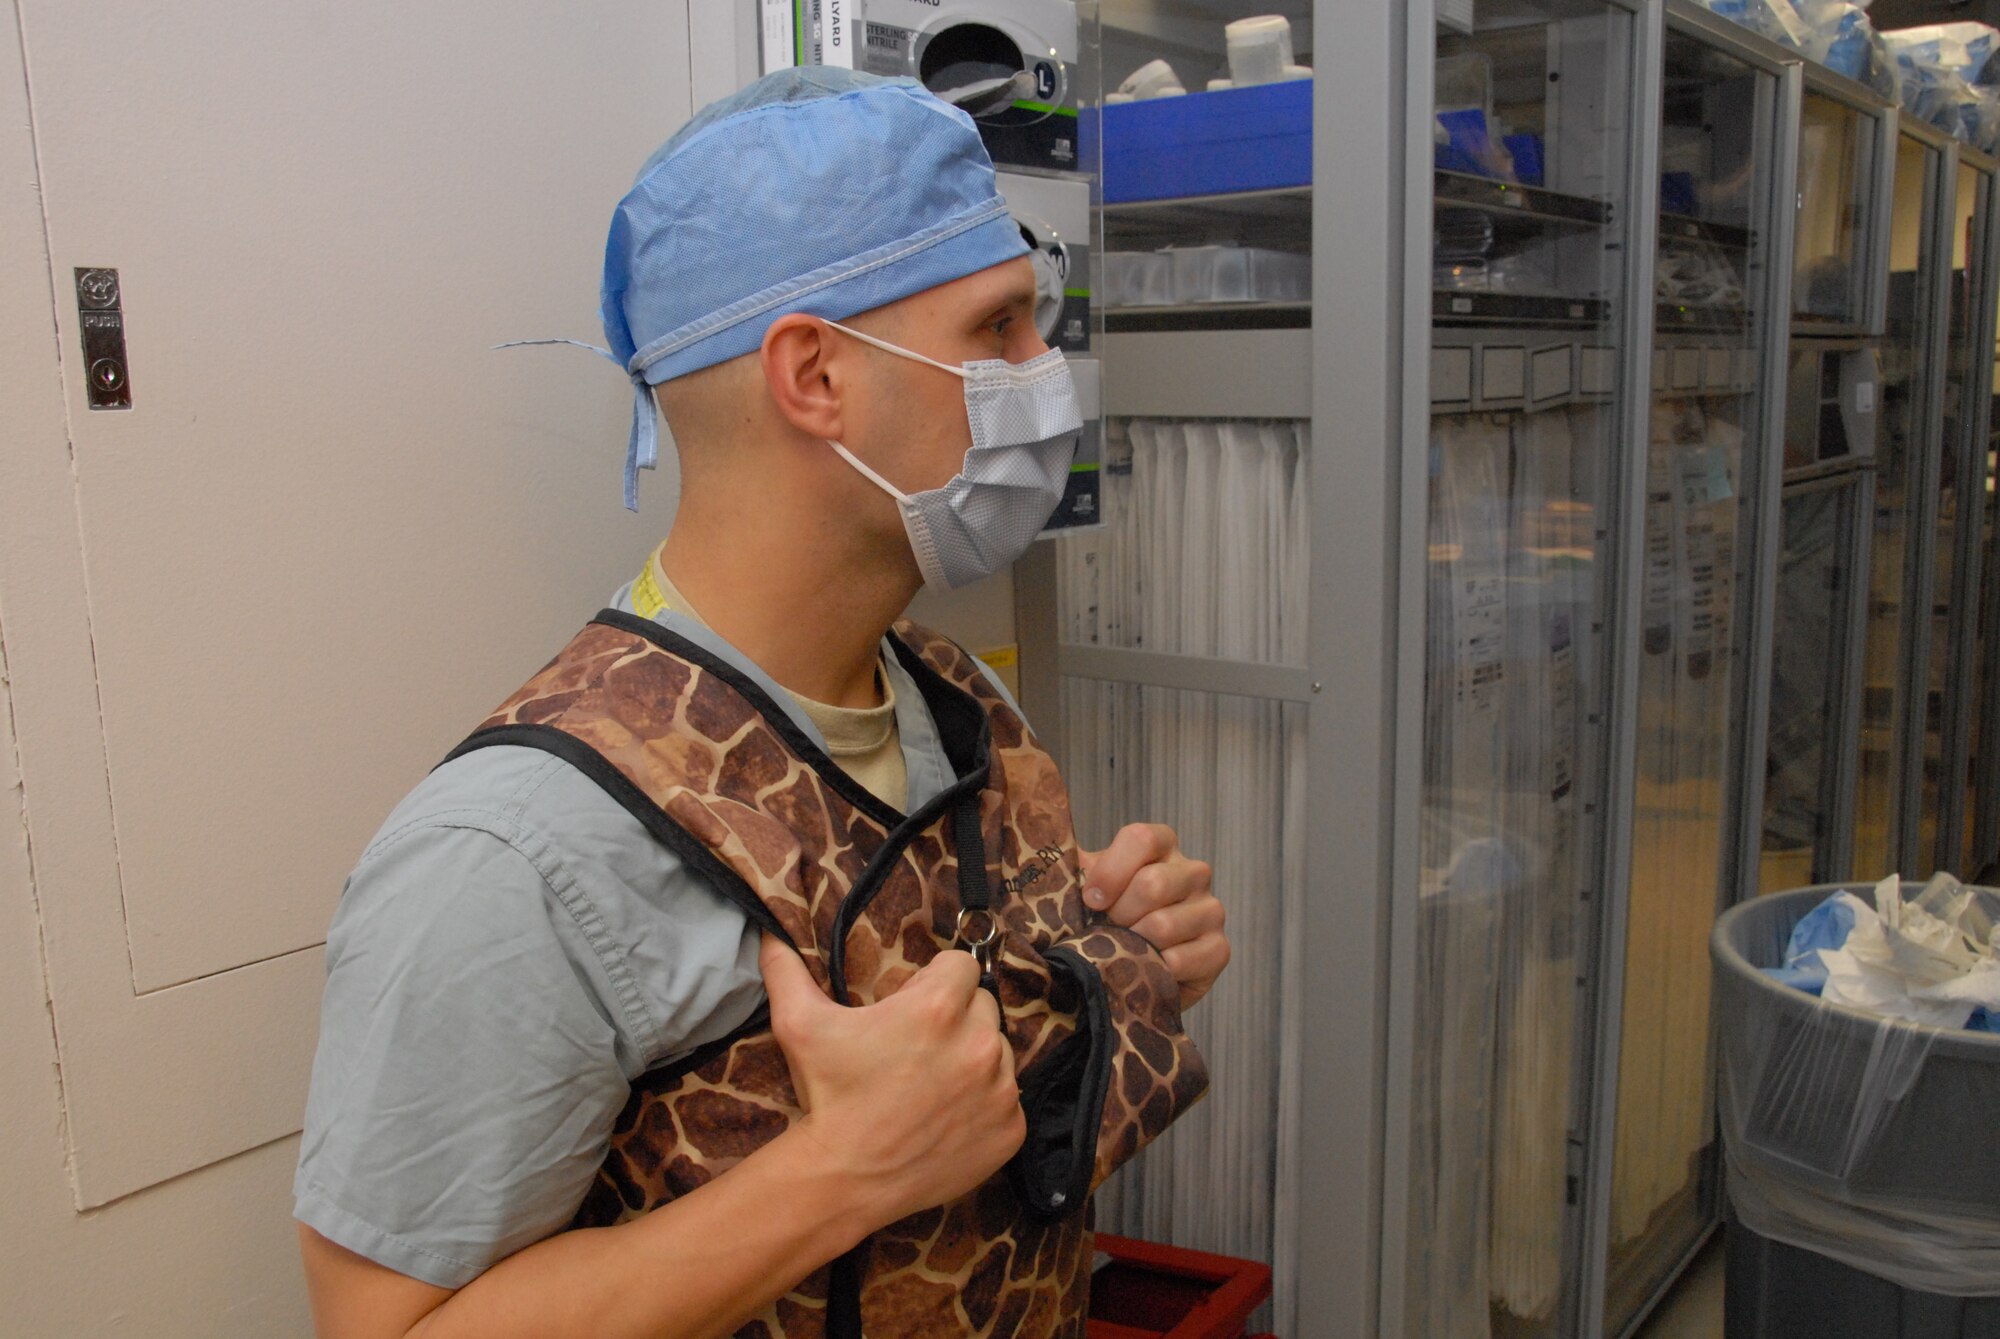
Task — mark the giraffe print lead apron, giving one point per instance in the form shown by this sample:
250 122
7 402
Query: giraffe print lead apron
866 895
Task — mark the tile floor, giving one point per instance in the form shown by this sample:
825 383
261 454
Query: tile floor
1693 1310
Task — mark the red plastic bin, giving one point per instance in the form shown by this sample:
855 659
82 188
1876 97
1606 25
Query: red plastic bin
1150 1291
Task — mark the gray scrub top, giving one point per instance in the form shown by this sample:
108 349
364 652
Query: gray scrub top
512 950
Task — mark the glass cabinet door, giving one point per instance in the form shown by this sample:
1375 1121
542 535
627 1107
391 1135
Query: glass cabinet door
1836 169
1839 405
1882 780
1816 575
1719 123
1982 800
1532 133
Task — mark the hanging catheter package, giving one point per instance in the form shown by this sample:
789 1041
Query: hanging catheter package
1203 553
1509 580
1864 1138
1680 780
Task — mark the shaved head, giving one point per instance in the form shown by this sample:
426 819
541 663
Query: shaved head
720 406
713 407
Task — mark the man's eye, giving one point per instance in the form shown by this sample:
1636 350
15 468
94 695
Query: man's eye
999 327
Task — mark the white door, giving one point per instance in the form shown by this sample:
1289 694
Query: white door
243 616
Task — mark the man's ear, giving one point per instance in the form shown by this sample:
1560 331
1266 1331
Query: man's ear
809 373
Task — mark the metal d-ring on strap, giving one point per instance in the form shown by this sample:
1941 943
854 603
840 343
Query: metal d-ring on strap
983 941
978 930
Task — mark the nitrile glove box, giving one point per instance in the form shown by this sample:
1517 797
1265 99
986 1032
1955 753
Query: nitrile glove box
1237 139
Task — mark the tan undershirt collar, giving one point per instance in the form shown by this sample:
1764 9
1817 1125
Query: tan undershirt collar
850 731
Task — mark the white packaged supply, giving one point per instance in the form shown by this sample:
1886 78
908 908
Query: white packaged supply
1260 49
1154 79
1138 278
1930 959
1239 274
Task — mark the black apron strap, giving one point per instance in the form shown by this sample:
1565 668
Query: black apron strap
843 1296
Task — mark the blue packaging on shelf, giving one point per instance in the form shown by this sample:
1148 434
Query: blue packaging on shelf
1467 145
1677 194
1238 139
1526 151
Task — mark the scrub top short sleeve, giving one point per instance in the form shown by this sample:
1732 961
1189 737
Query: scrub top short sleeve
510 952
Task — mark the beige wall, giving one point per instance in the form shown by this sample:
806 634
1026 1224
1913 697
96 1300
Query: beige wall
239 620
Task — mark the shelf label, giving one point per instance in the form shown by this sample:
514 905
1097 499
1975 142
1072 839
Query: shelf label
778 35
1562 707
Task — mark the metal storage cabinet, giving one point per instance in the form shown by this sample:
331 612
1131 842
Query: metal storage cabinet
1477 545
1181 631
1729 109
1541 319
1955 700
1835 401
1916 791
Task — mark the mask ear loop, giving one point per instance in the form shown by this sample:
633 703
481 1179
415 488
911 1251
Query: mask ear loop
868 473
898 350
914 525
922 544
886 347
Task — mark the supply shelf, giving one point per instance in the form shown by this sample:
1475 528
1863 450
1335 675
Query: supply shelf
1506 199
1685 316
1210 316
1683 228
1278 219
1453 306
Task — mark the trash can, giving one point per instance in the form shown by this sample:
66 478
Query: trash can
1863 1153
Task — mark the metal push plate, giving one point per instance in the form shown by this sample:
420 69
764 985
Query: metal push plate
102 320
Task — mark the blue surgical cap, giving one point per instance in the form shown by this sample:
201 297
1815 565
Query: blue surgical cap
816 190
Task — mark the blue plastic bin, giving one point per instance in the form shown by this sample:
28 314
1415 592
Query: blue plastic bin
1238 139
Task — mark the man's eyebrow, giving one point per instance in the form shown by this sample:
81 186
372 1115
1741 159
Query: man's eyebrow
1019 297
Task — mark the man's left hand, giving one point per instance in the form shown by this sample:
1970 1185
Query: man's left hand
1144 881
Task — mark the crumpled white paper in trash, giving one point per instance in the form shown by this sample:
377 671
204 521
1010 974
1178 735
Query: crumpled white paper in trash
1930 960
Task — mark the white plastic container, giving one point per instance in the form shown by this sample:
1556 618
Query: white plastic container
1260 49
1155 79
1239 274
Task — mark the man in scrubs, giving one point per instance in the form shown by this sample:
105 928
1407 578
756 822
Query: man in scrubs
515 948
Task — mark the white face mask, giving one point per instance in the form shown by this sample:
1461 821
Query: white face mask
1025 424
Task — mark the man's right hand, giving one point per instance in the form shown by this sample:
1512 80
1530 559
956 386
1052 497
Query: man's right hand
913 1097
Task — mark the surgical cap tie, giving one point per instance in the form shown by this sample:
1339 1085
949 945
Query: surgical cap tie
642 447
